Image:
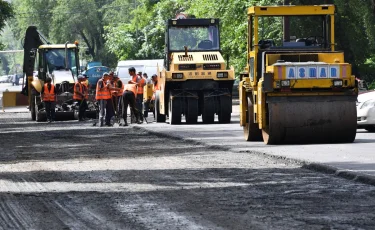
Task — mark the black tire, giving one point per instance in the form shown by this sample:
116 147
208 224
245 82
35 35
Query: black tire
191 113
251 129
370 129
39 116
32 109
208 111
175 110
225 109
158 117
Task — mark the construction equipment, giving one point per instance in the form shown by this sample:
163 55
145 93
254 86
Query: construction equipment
300 91
194 80
60 63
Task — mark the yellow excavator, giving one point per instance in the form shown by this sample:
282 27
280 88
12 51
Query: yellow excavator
296 89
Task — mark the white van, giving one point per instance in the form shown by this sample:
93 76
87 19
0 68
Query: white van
149 67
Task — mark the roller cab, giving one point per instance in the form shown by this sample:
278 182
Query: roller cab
296 89
195 80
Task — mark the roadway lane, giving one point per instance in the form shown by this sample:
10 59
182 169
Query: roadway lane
358 157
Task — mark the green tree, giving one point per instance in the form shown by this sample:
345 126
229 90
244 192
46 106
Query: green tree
6 12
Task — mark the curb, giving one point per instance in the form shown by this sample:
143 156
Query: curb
317 167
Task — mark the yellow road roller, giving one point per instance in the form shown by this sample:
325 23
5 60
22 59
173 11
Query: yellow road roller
296 88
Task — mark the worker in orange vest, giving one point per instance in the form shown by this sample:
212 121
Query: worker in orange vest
81 95
103 96
154 79
49 99
141 82
117 93
128 98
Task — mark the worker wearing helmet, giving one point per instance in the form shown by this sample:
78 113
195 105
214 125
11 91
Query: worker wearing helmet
103 96
49 99
80 95
117 93
128 98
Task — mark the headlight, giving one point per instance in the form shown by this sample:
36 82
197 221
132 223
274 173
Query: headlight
277 84
222 75
337 83
177 75
368 104
285 83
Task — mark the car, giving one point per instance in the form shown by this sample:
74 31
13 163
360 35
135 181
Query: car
20 81
366 111
4 79
235 88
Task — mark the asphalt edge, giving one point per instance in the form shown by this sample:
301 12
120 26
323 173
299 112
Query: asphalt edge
317 167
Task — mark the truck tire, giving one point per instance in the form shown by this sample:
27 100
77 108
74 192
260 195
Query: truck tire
39 116
175 110
208 110
251 129
158 117
225 109
32 109
191 113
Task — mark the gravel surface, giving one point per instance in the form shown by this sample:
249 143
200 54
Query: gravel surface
71 175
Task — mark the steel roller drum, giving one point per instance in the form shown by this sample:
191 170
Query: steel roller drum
318 119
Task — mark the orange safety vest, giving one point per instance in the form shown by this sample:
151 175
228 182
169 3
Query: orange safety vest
49 95
102 93
77 96
117 93
132 88
156 87
141 83
85 91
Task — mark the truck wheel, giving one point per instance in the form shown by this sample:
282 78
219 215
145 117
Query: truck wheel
39 116
191 114
174 110
159 117
225 109
251 129
208 111
32 109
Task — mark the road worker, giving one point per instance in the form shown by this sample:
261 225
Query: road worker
138 79
81 95
117 93
49 99
128 98
103 96
154 79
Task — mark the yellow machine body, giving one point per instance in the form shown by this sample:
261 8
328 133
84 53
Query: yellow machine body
300 92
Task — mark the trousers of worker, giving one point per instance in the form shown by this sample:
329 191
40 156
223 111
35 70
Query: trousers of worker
128 99
105 111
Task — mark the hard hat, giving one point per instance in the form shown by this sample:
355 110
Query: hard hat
105 74
81 77
154 75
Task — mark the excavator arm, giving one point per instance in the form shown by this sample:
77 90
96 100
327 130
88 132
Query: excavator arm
33 39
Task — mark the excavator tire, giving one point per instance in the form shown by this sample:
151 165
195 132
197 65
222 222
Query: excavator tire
305 120
251 129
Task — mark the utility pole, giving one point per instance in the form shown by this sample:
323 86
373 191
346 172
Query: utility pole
286 25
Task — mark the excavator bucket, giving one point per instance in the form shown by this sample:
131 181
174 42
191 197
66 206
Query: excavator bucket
319 119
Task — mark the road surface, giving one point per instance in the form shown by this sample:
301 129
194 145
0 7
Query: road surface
70 175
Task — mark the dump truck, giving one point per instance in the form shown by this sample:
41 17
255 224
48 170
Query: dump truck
296 89
60 62
195 79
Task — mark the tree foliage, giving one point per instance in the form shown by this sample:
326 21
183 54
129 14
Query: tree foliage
134 29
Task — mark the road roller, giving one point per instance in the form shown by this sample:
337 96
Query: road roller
195 80
296 88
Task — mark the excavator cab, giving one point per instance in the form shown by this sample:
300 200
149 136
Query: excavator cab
60 62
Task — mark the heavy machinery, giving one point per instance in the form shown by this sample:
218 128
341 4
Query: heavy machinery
194 80
297 91
60 62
